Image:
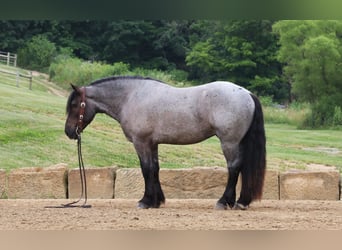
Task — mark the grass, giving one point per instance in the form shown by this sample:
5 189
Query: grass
289 147
32 135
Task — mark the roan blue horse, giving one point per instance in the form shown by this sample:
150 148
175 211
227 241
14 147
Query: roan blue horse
151 112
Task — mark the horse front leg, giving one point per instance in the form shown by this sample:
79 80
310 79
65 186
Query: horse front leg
153 195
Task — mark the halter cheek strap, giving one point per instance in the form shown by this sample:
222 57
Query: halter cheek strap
79 127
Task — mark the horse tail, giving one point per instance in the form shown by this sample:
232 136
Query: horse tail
254 157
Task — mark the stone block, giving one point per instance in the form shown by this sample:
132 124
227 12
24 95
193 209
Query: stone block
309 185
100 183
129 183
37 183
194 183
2 184
271 185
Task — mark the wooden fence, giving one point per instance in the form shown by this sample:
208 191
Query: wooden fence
10 60
17 74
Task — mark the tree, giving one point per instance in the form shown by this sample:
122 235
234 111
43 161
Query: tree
312 55
240 51
37 54
151 44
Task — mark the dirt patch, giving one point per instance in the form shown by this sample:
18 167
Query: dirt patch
122 214
332 151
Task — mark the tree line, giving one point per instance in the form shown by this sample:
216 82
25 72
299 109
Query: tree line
287 60
239 51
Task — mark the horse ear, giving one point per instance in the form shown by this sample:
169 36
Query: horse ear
74 87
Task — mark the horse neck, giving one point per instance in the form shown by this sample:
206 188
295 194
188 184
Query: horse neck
108 97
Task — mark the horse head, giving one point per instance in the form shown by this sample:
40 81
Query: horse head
79 112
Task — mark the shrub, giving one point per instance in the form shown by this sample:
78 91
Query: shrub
120 68
324 113
337 118
266 101
293 114
153 73
179 76
287 115
66 70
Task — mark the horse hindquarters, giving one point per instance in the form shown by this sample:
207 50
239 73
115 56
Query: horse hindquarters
253 165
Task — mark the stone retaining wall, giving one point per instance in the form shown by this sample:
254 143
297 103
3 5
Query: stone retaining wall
199 183
2 183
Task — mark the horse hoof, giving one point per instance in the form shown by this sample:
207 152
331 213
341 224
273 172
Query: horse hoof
220 206
142 206
239 206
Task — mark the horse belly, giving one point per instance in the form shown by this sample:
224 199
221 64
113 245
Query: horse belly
181 129
181 137
167 126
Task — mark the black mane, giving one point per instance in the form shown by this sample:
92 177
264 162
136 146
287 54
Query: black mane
71 97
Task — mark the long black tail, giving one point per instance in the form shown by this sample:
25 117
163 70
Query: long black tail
253 167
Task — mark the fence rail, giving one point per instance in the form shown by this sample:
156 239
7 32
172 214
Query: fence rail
18 74
8 58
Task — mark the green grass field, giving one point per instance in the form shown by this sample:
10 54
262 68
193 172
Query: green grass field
32 135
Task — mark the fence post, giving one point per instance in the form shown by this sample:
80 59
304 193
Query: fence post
18 78
8 58
30 80
15 60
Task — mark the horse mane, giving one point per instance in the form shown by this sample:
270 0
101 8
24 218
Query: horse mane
71 97
114 78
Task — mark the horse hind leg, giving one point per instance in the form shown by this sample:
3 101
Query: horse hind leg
233 159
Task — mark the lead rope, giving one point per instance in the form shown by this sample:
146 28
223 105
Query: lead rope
82 176
83 181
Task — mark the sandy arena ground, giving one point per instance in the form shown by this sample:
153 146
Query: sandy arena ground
184 214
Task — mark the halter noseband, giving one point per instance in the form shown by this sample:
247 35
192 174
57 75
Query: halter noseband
79 126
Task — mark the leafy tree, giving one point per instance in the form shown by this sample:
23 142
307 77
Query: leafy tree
13 34
37 54
312 55
240 51
202 59
151 44
171 41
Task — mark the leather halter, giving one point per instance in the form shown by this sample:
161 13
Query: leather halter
79 126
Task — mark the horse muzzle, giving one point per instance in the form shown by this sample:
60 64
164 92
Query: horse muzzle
72 132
